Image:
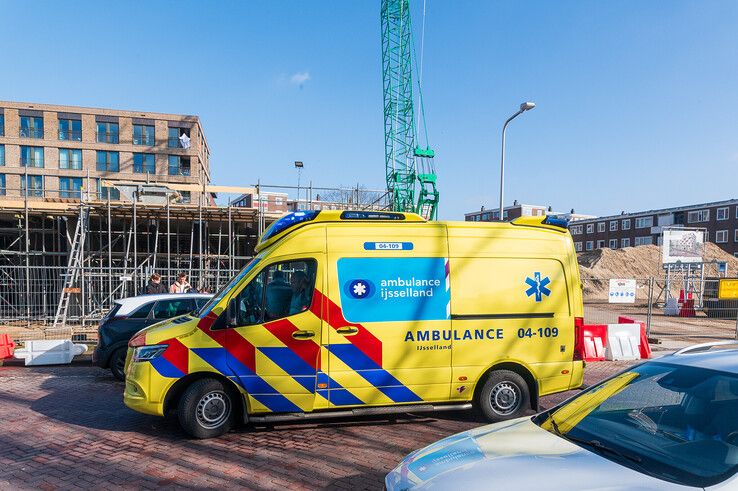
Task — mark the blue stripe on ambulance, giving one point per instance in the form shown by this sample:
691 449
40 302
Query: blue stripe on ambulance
166 368
373 373
287 360
336 394
254 385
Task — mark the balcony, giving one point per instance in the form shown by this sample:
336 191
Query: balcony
104 137
31 133
70 135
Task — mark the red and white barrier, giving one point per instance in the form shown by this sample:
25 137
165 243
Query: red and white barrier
625 340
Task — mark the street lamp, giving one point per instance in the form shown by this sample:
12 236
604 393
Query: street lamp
298 165
526 106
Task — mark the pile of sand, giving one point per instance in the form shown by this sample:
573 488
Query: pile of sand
640 262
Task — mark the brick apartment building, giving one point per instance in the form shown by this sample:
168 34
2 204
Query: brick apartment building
719 219
516 210
54 152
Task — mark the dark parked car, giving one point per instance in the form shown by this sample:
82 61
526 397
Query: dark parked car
130 315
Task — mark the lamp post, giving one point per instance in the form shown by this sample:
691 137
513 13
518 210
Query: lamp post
526 106
298 165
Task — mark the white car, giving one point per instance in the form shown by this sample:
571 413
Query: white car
669 423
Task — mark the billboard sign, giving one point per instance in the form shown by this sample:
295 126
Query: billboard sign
682 246
622 291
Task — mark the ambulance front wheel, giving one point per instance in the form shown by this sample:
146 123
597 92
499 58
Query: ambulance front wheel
206 409
504 395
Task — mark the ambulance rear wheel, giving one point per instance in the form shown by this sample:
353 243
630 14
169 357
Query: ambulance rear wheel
206 409
504 395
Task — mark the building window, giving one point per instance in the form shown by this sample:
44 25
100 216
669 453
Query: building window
625 242
613 226
173 140
721 237
144 163
32 127
32 185
578 246
70 159
2 154
626 224
643 240
644 222
2 125
589 245
590 228
70 129
722 213
179 166
735 235
576 229
143 135
600 244
613 243
32 156
2 184
105 192
108 161
601 227
186 196
70 187
107 132
698 216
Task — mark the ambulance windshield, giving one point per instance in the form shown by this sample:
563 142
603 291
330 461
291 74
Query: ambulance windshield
288 221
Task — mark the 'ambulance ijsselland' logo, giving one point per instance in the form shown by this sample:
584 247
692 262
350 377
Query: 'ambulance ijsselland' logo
359 289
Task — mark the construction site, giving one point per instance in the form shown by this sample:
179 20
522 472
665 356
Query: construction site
64 261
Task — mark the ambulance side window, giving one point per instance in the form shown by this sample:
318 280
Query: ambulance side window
280 290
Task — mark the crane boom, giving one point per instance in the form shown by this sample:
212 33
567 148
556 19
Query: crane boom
407 166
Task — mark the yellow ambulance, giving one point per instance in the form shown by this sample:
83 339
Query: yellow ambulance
359 312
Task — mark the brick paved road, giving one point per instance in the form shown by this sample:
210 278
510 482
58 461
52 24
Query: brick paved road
67 427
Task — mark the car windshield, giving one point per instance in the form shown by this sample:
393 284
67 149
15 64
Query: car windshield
677 423
205 310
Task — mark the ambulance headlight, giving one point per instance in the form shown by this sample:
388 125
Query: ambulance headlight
146 353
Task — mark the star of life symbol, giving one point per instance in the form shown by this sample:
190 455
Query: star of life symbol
537 286
359 289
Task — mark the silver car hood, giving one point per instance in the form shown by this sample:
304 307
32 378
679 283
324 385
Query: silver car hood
514 455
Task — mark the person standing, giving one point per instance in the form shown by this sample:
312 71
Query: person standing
154 285
180 285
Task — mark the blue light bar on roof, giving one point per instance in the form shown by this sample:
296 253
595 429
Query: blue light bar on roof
288 221
556 221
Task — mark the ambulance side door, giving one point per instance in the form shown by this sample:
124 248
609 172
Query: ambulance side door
388 313
275 342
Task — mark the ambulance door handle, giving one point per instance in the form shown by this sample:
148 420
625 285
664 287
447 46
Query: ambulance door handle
348 330
303 334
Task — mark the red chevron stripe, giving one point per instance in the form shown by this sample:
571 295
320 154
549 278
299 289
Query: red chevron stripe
177 354
367 342
231 340
306 349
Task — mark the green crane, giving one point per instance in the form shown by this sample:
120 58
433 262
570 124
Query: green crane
410 170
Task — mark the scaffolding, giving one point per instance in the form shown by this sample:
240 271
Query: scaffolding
64 261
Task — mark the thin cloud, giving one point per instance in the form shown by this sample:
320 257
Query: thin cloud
300 78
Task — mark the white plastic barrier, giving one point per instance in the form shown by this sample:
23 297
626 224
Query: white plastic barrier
623 342
49 352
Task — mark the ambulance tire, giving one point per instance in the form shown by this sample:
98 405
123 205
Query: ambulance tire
206 409
504 395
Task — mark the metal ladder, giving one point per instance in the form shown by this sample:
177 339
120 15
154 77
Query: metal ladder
74 267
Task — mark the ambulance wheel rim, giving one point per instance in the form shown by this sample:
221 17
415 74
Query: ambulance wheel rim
213 410
505 398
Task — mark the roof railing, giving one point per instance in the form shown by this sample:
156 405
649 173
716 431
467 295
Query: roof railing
697 348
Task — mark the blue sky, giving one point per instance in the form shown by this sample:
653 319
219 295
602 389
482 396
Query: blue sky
636 101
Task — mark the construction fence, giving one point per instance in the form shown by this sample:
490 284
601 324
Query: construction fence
688 310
